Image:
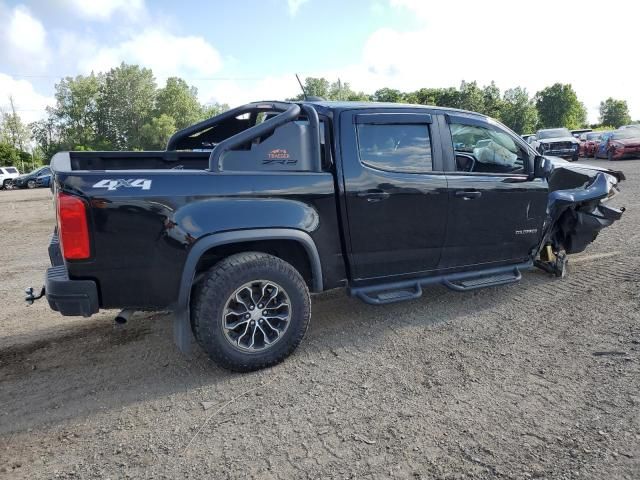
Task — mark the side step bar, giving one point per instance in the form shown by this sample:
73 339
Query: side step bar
392 292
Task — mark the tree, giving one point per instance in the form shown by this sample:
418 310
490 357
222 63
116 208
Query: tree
314 87
12 130
46 135
558 106
321 87
9 155
425 96
126 103
491 101
179 101
518 111
213 109
155 134
76 109
388 95
470 97
614 112
343 91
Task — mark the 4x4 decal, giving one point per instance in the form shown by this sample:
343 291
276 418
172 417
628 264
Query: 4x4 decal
110 184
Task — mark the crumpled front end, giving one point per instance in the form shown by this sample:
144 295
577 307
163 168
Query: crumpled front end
577 210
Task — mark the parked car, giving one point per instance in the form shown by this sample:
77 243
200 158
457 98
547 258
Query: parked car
43 180
619 144
30 180
577 133
310 196
634 125
588 143
7 176
557 142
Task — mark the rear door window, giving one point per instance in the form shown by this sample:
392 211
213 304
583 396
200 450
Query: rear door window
404 148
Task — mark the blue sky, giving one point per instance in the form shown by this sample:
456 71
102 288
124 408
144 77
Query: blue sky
237 51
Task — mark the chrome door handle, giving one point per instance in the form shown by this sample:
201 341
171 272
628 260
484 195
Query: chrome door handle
373 195
468 194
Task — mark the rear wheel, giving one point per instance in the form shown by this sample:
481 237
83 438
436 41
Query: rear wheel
251 311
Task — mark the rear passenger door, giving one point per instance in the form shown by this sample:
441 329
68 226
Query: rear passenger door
395 192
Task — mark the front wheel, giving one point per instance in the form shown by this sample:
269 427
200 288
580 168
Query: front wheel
610 155
31 184
574 158
251 311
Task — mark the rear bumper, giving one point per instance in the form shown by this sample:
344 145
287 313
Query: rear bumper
69 297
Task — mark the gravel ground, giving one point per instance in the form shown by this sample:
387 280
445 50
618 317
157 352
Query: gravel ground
535 380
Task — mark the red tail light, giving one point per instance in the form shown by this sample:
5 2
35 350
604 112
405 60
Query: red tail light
72 227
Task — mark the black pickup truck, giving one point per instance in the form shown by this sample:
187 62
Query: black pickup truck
246 213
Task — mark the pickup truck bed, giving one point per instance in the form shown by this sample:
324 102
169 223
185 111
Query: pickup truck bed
246 213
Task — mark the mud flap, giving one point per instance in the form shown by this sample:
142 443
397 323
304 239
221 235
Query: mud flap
182 334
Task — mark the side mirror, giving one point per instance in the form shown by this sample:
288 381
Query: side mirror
538 168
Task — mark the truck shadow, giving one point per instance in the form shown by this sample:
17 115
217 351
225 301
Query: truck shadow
96 367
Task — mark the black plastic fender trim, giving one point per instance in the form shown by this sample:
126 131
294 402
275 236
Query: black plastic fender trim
181 324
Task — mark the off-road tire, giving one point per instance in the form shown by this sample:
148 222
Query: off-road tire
219 284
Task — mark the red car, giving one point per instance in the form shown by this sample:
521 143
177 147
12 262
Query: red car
588 143
619 144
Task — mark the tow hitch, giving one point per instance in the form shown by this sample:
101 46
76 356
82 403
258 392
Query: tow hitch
30 298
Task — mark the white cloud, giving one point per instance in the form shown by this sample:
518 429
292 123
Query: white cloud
239 92
165 53
103 10
24 40
294 6
30 105
508 42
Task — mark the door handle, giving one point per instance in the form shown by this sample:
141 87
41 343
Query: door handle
468 194
373 195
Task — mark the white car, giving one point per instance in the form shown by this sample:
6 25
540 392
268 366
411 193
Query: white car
7 174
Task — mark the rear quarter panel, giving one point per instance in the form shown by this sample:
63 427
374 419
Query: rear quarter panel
141 237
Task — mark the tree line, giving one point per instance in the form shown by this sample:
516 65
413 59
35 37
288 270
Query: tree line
554 106
125 109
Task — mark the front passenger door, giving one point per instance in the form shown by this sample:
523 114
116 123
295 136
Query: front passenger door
495 211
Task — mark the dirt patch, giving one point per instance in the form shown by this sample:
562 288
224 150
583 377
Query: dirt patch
535 380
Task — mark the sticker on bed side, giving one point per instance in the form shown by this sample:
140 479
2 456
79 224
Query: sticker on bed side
111 184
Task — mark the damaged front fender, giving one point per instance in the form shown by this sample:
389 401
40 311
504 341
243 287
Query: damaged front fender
575 210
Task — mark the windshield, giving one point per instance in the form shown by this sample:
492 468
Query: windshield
593 136
626 133
554 133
